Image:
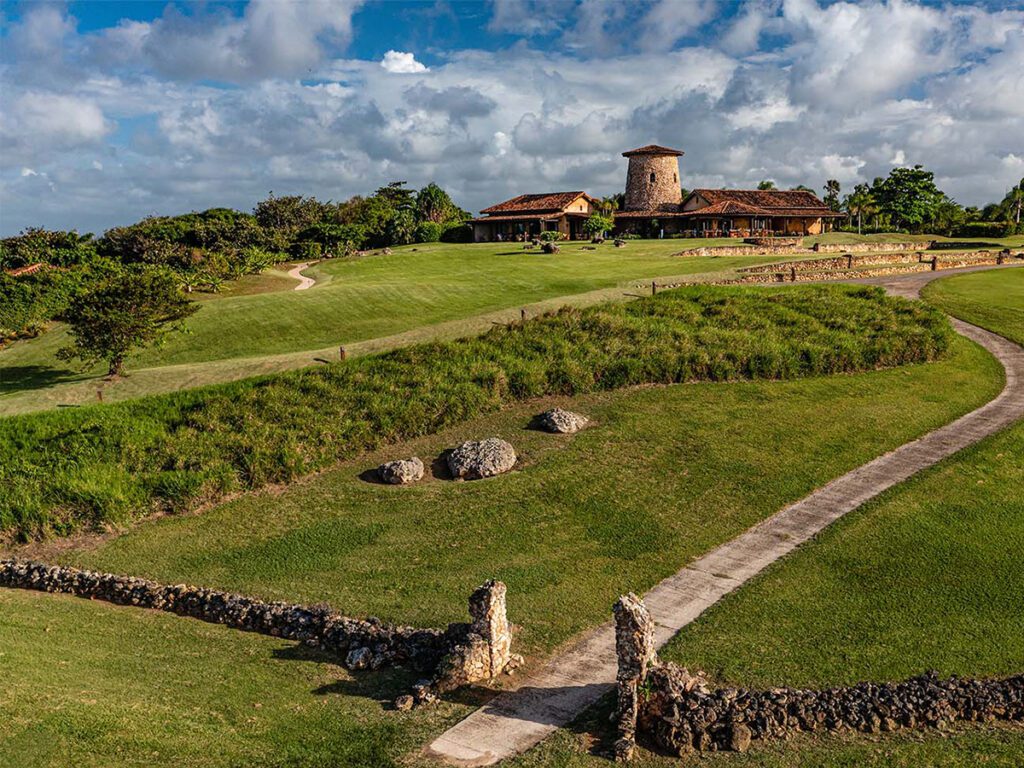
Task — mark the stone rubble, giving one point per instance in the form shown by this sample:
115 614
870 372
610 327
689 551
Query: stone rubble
562 421
476 459
401 471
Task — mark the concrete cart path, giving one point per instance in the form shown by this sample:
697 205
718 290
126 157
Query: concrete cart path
305 283
577 677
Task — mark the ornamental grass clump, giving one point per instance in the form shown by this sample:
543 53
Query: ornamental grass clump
104 465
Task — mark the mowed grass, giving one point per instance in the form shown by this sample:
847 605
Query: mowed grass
992 300
368 297
663 474
927 576
92 685
106 465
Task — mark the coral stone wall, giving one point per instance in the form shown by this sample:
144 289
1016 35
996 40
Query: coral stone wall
664 193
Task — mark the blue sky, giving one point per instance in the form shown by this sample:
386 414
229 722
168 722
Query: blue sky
115 110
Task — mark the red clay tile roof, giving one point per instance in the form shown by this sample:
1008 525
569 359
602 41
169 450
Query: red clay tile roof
730 208
527 217
653 149
548 202
773 202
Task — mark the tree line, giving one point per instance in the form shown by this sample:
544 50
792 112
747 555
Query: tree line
126 288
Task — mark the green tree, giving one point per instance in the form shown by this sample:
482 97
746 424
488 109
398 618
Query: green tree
909 196
948 216
434 204
123 312
832 194
860 203
766 184
598 224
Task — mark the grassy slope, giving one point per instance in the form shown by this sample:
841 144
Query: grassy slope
98 466
373 296
665 473
927 576
239 335
992 300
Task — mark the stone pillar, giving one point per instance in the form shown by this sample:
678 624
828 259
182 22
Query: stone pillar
634 648
490 621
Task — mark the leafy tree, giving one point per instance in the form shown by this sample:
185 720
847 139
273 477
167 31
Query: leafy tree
860 203
289 215
598 224
609 205
948 216
35 245
909 196
802 188
433 204
766 184
123 312
832 194
428 232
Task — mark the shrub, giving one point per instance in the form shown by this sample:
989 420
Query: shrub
306 250
163 452
551 236
428 232
985 229
457 233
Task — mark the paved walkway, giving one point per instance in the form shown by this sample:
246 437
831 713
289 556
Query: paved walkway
304 282
576 678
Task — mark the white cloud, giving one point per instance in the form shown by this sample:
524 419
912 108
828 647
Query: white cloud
490 124
401 63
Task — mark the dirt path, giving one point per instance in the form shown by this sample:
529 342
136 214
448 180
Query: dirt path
576 678
304 282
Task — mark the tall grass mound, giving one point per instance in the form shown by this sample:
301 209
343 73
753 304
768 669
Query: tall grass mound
105 465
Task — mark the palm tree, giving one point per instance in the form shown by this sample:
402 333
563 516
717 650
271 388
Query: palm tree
608 206
860 203
1014 201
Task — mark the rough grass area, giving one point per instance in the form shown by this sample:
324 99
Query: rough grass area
992 300
100 465
662 475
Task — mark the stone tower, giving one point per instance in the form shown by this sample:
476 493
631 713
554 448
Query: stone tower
652 181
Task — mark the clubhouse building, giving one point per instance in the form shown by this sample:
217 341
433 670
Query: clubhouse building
654 207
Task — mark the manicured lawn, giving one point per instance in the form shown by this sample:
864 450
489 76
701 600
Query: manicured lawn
355 299
91 685
105 465
992 300
259 325
665 474
927 576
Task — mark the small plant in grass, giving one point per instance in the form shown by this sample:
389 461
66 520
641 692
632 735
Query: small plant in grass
551 236
127 311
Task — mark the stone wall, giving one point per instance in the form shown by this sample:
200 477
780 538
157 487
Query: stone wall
871 247
358 643
847 261
680 713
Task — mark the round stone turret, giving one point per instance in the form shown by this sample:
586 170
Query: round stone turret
652 181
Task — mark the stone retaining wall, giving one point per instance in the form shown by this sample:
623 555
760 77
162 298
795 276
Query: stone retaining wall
462 653
848 261
871 247
680 713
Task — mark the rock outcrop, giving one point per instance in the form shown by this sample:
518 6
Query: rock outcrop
476 459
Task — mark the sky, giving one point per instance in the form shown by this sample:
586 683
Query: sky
112 111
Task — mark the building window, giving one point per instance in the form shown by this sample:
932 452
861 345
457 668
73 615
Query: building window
652 177
675 178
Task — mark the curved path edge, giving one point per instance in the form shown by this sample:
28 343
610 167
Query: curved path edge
305 283
577 677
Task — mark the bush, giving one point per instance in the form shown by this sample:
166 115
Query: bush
457 233
551 236
34 245
985 229
306 251
244 435
428 232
